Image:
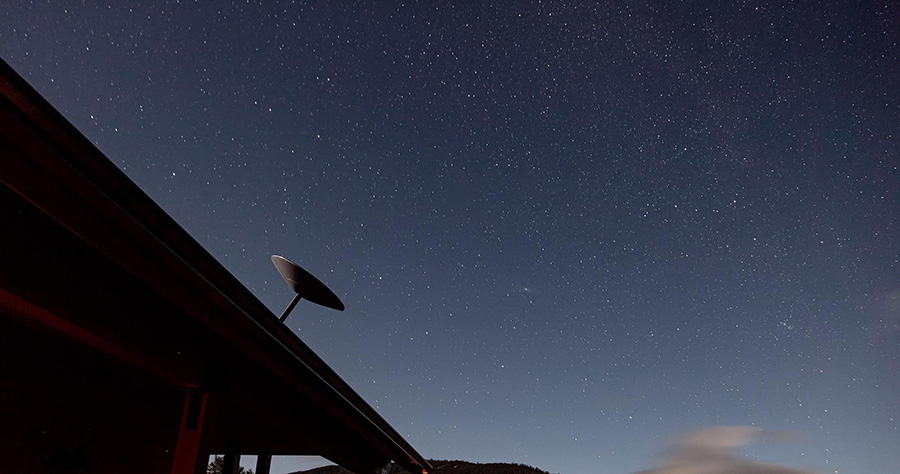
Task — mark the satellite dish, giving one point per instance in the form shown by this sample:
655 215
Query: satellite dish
305 285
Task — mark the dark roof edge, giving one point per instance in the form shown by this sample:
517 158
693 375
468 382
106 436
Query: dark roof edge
100 173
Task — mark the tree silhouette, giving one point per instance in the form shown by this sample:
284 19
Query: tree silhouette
218 464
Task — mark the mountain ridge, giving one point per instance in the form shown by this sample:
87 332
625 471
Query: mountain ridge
442 466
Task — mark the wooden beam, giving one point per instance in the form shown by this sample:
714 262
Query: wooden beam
187 451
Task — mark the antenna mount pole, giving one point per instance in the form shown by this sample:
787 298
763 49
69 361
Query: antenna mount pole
290 306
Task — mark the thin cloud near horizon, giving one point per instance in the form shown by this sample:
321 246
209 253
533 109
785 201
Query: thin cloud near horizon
707 452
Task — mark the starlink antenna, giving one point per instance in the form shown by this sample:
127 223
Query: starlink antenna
305 285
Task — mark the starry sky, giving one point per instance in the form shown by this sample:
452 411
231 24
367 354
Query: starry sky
566 232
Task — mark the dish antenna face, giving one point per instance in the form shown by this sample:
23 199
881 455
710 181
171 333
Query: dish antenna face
305 285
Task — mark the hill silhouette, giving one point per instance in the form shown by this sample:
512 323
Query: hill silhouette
445 467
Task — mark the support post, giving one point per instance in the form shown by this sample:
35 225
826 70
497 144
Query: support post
232 458
187 450
263 464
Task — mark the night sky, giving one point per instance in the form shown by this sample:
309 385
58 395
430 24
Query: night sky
566 233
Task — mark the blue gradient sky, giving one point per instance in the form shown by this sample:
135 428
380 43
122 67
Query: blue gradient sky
564 232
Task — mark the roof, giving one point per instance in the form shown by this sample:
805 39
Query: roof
146 294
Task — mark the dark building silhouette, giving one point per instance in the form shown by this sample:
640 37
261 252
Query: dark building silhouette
126 347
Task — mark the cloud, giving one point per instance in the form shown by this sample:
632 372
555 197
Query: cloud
706 452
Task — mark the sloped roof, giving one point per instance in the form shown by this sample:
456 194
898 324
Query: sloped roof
192 326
